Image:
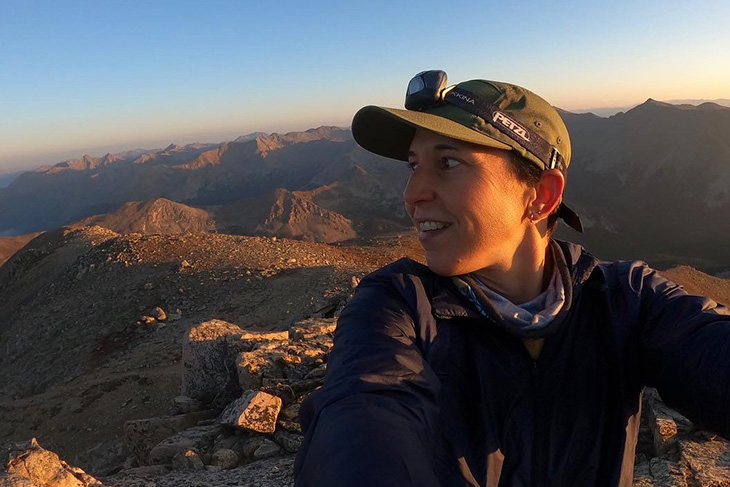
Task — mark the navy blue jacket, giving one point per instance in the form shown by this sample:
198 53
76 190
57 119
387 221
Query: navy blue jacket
421 390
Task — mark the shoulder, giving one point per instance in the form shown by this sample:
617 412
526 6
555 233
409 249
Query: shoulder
631 275
404 280
401 268
579 259
396 296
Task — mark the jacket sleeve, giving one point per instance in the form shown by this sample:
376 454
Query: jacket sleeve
372 421
685 349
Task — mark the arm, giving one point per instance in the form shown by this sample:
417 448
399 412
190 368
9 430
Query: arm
685 349
372 422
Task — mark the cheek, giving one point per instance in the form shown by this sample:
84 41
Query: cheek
491 210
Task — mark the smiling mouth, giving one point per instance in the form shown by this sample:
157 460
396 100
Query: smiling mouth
430 226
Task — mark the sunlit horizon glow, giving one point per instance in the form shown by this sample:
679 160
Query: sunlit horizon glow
96 77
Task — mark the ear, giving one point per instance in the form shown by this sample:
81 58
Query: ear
548 194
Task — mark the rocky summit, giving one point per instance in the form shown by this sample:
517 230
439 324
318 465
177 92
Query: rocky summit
182 360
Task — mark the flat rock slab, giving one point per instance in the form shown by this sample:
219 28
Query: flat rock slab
313 327
254 411
659 472
708 460
142 435
269 472
185 404
199 438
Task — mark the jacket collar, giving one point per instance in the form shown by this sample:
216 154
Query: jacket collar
447 302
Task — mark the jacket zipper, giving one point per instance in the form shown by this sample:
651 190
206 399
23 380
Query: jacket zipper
535 460
534 464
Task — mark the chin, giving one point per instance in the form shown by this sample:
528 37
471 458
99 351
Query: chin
445 268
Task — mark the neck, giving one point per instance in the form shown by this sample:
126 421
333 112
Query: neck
524 275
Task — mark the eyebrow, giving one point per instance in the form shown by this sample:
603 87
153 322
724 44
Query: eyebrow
437 147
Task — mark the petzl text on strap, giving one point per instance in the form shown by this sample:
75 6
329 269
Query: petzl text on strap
518 132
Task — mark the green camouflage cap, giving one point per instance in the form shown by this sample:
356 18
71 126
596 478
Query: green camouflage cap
509 117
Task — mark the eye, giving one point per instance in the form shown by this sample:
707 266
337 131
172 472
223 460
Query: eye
449 163
411 165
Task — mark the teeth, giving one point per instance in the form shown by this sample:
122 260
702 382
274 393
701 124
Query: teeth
426 226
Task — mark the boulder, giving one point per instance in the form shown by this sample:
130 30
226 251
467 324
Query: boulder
267 449
252 367
291 412
254 411
209 355
659 472
317 373
310 328
199 438
209 351
664 423
27 464
141 435
290 442
226 441
185 404
159 314
251 444
290 426
282 391
224 458
257 338
187 460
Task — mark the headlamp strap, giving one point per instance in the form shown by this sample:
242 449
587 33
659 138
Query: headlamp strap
521 134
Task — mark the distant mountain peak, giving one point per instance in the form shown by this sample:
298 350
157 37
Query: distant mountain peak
251 136
706 106
711 106
650 106
652 101
154 216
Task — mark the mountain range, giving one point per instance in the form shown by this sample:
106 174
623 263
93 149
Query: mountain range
610 111
654 183
650 183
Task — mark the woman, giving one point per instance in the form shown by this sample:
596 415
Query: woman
511 359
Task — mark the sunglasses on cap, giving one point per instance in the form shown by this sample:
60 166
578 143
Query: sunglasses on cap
429 89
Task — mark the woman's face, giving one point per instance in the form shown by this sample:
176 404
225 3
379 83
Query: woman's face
468 206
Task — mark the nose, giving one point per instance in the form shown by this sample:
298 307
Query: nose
420 188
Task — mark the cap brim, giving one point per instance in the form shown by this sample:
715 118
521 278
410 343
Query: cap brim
388 131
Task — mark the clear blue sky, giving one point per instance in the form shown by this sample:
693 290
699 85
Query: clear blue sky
98 76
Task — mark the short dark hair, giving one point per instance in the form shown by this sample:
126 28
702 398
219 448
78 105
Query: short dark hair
530 174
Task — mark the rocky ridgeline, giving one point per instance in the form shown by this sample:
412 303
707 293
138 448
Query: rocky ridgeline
236 422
